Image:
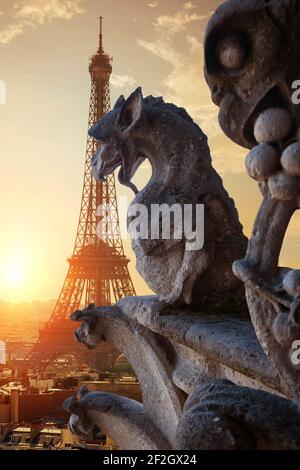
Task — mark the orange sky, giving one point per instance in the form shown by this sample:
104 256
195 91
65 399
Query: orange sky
44 51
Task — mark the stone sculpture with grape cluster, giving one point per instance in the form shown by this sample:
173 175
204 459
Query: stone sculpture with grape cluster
251 50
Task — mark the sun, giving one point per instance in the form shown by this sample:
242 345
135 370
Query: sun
13 273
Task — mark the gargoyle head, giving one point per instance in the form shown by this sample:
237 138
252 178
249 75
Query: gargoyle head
251 61
117 134
79 422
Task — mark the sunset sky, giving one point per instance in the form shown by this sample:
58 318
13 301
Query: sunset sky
44 50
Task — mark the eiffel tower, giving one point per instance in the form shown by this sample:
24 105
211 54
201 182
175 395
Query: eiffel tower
98 269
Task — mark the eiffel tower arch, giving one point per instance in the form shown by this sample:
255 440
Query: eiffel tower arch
98 268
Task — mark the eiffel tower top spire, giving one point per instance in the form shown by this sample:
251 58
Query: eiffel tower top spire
100 63
101 49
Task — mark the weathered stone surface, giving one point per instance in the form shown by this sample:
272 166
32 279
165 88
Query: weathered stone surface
206 346
283 187
222 416
230 52
262 162
272 125
290 159
182 173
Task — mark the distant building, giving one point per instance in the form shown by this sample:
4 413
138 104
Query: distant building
24 407
2 352
36 437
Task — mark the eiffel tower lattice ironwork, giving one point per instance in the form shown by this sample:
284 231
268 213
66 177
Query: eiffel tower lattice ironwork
98 267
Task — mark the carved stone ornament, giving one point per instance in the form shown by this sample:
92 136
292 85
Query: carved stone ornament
264 39
211 378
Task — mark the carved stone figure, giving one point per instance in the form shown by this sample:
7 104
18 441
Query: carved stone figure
103 412
165 352
205 379
182 174
252 61
152 358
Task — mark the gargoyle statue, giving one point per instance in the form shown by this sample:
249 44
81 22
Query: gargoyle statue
148 128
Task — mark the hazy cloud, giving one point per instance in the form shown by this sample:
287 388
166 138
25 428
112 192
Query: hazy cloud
167 27
29 14
185 84
152 5
189 6
122 81
173 24
194 43
162 50
10 32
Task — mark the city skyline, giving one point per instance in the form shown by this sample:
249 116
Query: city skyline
44 53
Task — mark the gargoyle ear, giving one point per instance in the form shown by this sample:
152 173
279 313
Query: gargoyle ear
120 101
131 111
